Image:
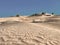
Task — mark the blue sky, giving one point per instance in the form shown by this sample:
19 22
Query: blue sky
28 7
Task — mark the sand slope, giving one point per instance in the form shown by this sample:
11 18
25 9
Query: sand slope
21 31
17 33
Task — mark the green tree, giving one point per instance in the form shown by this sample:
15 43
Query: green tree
17 15
43 13
52 13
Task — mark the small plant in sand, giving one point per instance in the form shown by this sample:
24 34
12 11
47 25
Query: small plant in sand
33 21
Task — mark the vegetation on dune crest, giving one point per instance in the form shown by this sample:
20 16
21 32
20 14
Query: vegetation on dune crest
43 13
17 15
52 13
35 15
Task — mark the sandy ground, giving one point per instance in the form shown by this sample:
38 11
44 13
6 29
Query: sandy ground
24 33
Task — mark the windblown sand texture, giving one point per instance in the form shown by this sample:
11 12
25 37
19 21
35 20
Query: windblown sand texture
24 31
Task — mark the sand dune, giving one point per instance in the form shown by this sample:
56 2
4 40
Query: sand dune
17 32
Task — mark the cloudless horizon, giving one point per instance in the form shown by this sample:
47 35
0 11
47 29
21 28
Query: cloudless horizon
28 7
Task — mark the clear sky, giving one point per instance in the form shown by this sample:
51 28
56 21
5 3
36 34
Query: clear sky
27 7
